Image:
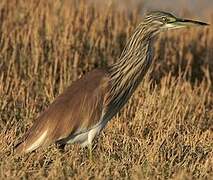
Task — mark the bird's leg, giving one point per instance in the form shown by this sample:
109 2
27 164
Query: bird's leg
61 147
90 151
91 135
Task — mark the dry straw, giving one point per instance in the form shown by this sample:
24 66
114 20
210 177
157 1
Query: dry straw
165 131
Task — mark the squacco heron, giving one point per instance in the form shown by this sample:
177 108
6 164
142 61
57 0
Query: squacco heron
83 109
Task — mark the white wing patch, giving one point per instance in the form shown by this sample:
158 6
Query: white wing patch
38 142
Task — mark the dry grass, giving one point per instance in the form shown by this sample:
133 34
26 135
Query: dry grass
165 131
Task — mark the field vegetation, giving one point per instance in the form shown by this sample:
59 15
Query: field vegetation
164 132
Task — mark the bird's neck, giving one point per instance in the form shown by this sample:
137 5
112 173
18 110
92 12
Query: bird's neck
133 64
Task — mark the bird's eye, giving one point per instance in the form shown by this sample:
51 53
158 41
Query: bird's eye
165 19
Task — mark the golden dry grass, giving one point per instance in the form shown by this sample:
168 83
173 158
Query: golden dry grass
164 132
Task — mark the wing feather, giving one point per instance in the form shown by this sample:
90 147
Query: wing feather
80 107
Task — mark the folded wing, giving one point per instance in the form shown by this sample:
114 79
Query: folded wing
77 109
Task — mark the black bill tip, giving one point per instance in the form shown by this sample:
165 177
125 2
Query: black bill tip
192 22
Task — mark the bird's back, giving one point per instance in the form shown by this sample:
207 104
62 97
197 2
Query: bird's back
76 110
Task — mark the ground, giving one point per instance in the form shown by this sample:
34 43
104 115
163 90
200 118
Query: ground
164 132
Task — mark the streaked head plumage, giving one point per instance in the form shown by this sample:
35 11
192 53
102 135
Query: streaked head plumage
160 20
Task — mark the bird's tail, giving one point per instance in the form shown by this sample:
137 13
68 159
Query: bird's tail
19 148
35 138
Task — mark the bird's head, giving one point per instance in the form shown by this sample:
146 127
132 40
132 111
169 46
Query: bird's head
157 21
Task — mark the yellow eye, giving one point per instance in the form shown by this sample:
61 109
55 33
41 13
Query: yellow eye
165 19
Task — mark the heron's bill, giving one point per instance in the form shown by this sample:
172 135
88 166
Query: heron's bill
179 23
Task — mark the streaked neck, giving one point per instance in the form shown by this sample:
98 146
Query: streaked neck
133 64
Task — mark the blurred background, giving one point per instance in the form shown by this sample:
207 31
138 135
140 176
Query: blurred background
166 129
199 8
